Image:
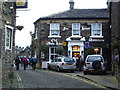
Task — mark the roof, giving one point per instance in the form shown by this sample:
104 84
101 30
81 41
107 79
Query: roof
79 14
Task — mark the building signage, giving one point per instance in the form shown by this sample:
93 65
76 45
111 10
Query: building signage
98 40
87 45
85 28
64 44
54 42
21 4
76 48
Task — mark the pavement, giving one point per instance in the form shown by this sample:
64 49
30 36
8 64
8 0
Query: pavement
108 80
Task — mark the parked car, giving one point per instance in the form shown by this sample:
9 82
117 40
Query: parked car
62 63
94 63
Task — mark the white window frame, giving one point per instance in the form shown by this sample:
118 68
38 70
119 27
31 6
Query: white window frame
52 53
76 28
54 27
96 29
10 38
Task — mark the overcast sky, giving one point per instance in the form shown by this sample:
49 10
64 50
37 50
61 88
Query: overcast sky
40 8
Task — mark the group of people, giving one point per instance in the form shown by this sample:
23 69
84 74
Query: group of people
25 62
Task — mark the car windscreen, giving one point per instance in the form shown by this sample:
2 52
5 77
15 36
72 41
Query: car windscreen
94 58
69 60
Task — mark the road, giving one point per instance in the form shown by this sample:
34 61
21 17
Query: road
50 79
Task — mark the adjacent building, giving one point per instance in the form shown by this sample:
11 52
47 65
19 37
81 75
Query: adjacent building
114 7
76 31
7 36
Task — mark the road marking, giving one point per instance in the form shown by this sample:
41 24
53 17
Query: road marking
18 77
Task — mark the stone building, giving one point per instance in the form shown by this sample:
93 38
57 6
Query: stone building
76 31
7 36
114 7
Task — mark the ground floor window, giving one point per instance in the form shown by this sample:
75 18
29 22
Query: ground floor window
52 53
97 51
8 37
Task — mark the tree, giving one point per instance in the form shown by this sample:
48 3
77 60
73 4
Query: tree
59 50
44 48
90 50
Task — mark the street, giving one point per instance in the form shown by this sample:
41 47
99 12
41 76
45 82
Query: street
50 79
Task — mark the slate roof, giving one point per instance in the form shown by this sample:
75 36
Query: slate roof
79 14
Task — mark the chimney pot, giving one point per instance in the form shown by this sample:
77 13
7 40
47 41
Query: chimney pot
71 2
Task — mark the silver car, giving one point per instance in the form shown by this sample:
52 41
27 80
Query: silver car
62 63
94 63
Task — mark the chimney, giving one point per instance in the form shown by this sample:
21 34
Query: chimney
71 2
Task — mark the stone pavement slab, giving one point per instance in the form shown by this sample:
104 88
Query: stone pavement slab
107 80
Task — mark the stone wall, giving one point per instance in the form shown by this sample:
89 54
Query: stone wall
7 56
115 39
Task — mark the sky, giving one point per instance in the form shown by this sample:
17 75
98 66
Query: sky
40 8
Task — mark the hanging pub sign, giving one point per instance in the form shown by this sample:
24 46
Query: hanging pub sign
21 4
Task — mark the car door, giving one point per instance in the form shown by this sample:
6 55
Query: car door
55 64
89 62
52 64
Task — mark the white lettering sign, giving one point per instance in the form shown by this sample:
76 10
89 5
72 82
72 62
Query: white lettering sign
53 42
85 28
99 40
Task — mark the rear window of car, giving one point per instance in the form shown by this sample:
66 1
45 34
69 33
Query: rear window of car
94 58
69 60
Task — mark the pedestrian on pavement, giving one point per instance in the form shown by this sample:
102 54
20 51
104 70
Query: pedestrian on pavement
81 63
78 62
17 62
25 62
21 60
33 62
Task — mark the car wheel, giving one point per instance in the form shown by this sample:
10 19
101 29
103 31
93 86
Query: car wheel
96 65
58 69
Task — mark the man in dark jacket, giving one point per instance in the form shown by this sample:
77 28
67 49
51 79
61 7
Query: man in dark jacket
17 62
33 62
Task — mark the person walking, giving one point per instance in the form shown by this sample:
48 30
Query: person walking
81 63
17 62
33 62
78 62
25 62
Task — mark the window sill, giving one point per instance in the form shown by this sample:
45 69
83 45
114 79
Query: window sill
76 36
8 49
96 36
54 36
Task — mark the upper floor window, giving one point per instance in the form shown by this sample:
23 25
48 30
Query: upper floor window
8 37
76 29
96 29
54 29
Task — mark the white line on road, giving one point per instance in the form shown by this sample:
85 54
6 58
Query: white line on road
18 78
